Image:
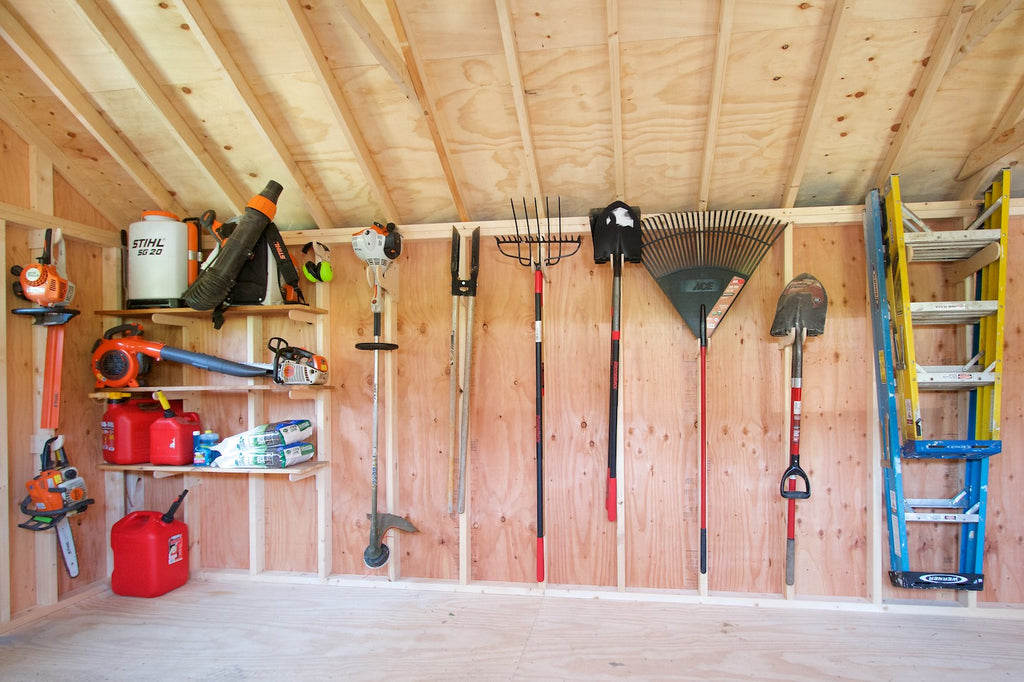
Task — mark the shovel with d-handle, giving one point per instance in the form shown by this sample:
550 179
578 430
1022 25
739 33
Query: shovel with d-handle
616 234
799 313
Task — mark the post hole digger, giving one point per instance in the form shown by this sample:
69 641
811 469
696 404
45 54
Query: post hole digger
122 356
616 236
460 365
378 247
46 284
799 313
55 494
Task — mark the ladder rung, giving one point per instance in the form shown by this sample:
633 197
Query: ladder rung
939 517
951 312
947 245
950 449
939 503
953 378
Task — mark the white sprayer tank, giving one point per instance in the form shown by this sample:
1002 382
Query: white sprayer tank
163 260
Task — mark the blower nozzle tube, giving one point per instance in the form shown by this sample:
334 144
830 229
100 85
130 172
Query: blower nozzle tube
215 282
212 363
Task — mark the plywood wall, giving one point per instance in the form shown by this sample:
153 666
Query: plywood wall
654 544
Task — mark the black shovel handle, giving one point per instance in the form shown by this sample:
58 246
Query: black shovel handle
794 471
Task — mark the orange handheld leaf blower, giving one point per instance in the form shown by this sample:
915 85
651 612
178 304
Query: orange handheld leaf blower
122 356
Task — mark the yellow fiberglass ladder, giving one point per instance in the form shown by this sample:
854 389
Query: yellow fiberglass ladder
969 266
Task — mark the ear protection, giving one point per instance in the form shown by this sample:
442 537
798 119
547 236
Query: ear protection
317 267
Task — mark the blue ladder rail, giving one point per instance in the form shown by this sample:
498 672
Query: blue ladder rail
968 507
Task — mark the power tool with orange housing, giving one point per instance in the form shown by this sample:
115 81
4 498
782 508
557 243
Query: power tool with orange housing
45 283
56 493
122 356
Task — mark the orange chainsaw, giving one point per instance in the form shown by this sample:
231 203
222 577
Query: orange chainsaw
56 493
46 284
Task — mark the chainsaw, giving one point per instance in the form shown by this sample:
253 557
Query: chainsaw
55 494
122 356
45 283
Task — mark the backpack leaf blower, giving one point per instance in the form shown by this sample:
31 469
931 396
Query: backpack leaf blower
215 282
122 355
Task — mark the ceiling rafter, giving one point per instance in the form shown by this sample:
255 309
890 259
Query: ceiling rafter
822 80
91 11
372 36
946 45
1008 136
217 52
68 91
615 80
515 74
986 18
70 170
426 103
338 103
725 14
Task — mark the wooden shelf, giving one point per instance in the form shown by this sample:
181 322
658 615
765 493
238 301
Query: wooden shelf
296 472
295 391
299 313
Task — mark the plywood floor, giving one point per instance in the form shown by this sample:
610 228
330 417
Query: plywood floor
216 630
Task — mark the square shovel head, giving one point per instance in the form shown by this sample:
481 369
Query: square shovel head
801 307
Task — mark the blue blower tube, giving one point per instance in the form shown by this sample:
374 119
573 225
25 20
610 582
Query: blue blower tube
215 282
212 363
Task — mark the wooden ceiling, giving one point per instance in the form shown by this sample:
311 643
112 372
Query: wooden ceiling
433 111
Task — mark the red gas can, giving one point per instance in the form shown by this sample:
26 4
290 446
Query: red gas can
170 436
150 553
125 427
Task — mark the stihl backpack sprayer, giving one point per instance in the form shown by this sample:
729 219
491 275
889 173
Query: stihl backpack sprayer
122 355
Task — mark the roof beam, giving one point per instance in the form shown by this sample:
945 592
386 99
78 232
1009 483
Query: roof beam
816 103
369 32
91 11
339 106
1007 137
725 14
615 81
985 19
68 91
70 170
515 74
946 45
206 33
426 102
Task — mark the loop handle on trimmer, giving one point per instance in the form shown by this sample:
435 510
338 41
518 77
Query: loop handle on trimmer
795 472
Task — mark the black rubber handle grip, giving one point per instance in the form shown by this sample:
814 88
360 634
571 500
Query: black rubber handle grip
794 471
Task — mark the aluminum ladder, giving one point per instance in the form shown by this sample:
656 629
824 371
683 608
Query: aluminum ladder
971 261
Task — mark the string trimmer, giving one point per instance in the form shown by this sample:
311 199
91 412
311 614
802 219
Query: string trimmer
378 247
122 356
56 493
46 284
799 313
701 261
616 235
537 250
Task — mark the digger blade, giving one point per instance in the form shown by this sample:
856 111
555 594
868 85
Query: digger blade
801 307
67 546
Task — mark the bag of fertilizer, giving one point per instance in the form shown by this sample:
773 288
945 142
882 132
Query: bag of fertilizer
274 457
267 435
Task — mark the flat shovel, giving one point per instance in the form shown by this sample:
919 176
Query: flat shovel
800 313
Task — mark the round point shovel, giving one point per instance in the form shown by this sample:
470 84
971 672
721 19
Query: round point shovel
800 313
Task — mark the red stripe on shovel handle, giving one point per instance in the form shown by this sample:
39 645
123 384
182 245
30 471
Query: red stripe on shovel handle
540 559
